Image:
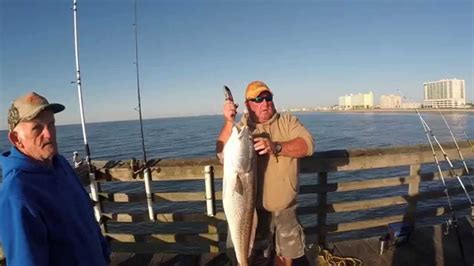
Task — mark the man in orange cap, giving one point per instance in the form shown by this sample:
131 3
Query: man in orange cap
279 140
46 215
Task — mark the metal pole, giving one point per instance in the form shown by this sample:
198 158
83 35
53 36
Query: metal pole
92 178
146 171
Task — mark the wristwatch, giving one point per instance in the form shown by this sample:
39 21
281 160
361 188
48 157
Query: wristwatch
277 148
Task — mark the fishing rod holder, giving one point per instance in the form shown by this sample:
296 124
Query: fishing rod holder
210 191
133 164
448 224
137 167
76 159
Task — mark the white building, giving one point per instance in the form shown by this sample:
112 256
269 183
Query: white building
390 101
411 105
357 101
345 102
446 93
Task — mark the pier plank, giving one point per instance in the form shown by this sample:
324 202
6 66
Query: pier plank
427 246
378 222
219 219
361 249
329 208
326 161
211 239
150 248
358 205
166 217
158 197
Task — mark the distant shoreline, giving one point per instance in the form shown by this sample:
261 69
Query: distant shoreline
470 110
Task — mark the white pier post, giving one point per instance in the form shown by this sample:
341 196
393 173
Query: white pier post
210 193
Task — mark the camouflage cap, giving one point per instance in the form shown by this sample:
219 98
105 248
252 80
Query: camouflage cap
255 88
27 107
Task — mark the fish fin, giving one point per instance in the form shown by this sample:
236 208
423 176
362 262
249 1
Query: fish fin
239 188
253 231
238 128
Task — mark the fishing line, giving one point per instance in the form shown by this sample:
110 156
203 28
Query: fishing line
457 146
453 221
146 170
446 157
92 178
466 168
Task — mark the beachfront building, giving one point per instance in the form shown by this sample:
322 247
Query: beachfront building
445 93
357 101
344 102
390 101
411 105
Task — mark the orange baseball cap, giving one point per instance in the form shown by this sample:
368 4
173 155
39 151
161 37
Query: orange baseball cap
255 88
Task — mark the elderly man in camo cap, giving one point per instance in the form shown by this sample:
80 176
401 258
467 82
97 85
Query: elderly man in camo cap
47 216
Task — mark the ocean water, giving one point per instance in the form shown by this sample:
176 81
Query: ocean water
195 137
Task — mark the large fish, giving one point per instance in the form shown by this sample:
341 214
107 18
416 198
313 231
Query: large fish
239 191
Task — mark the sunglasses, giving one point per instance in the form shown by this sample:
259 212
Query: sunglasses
259 99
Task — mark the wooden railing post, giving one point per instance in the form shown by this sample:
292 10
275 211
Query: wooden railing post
413 191
322 203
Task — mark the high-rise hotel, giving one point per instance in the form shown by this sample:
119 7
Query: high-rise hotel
446 93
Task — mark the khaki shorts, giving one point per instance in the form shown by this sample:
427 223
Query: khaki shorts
278 230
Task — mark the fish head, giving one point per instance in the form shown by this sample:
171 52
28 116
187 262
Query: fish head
239 153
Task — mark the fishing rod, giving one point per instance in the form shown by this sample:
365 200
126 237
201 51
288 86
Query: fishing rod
457 147
92 178
446 157
452 222
146 170
456 143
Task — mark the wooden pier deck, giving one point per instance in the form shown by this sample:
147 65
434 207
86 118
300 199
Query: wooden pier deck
427 246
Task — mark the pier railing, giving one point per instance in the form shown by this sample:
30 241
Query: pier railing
195 232
191 231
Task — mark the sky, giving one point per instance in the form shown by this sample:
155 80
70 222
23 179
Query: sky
308 52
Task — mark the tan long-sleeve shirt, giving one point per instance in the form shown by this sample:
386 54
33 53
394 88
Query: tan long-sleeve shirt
278 175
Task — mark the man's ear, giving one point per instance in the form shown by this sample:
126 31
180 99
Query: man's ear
14 139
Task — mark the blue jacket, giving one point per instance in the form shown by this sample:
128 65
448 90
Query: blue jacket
46 216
